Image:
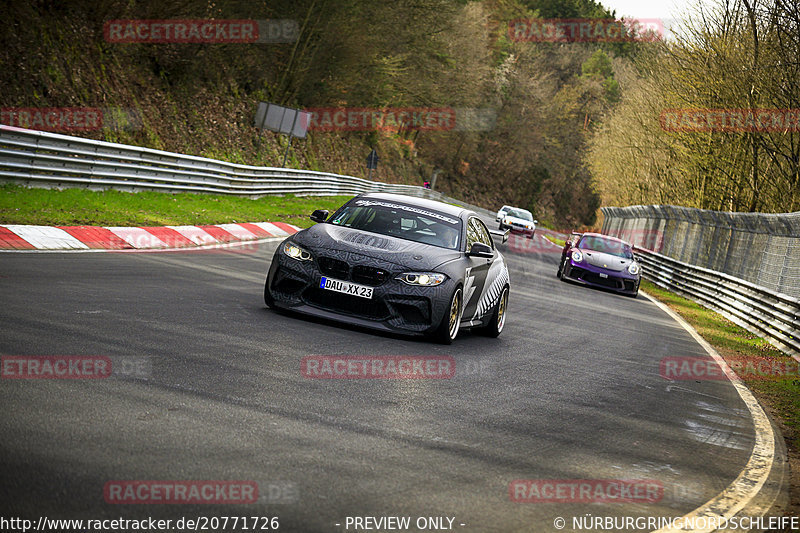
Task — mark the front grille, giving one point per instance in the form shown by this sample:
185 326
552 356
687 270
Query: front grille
591 277
369 275
334 268
629 284
342 303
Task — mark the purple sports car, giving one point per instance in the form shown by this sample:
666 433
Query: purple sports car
600 261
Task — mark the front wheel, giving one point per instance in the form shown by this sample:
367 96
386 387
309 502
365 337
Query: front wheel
451 321
268 299
498 320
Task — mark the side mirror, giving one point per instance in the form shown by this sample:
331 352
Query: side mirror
535 222
479 249
502 234
320 215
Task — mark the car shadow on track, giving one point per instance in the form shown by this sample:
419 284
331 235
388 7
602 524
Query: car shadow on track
600 289
423 339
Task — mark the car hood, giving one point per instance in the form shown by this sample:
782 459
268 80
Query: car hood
607 261
401 252
519 220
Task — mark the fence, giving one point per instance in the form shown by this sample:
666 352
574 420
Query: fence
42 159
745 266
763 249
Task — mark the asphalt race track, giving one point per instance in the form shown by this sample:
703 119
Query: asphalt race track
570 391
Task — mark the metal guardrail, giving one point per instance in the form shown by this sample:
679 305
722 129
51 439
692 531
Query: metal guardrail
43 159
768 314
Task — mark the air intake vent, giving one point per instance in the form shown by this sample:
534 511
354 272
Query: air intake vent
370 240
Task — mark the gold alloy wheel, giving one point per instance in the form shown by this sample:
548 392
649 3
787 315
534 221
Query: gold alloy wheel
501 311
455 314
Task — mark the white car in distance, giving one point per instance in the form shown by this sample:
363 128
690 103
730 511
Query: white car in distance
517 220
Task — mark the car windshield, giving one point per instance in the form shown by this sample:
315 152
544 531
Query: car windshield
608 246
399 220
519 213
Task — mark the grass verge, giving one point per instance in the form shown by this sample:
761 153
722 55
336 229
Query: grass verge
758 363
73 207
554 240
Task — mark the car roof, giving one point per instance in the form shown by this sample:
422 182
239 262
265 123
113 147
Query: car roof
433 205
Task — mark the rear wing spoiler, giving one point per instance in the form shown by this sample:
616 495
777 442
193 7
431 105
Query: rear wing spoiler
576 235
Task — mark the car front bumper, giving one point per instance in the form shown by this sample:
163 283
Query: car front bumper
622 281
394 306
517 229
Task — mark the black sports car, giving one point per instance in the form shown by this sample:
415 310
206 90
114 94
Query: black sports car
394 263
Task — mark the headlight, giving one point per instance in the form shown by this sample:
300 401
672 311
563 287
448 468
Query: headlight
422 279
633 269
295 252
577 256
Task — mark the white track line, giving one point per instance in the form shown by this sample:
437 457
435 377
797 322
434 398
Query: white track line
750 480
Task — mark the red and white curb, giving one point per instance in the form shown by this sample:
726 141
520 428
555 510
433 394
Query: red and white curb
19 238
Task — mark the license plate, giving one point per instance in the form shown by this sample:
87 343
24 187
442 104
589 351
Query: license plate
602 275
345 287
